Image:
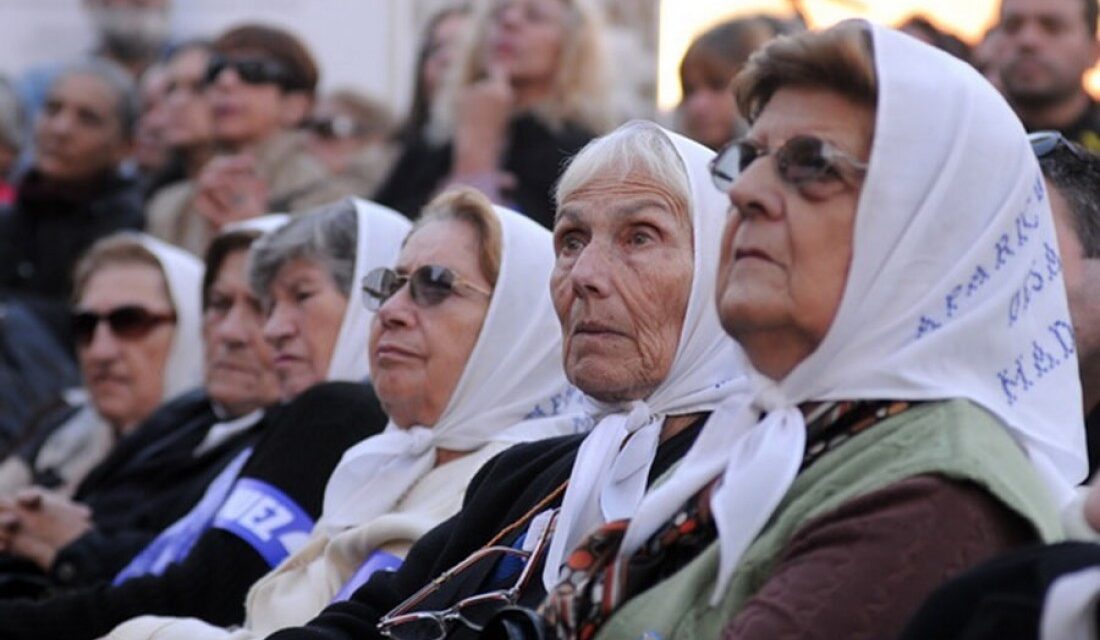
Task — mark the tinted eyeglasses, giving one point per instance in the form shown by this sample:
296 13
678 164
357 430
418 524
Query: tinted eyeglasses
474 612
808 163
1044 143
429 285
251 70
130 322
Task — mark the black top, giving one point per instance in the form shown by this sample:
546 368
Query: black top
1085 130
502 492
296 454
535 155
48 229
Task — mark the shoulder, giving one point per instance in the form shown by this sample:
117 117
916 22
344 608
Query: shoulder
339 413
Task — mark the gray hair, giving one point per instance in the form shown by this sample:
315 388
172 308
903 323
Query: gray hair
637 147
327 235
127 102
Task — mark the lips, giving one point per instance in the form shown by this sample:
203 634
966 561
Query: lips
594 328
751 253
392 351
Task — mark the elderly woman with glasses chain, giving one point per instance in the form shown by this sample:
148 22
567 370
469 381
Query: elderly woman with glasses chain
891 270
637 224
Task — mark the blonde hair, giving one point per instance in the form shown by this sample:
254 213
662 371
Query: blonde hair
581 90
472 207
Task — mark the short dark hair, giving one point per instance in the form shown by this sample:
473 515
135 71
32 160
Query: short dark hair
1091 13
1075 173
280 45
221 247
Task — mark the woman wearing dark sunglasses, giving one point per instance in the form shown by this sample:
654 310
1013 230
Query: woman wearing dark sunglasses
910 415
462 377
136 326
260 83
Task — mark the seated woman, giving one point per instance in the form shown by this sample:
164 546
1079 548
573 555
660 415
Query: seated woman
158 472
283 474
462 377
526 90
136 324
638 223
890 270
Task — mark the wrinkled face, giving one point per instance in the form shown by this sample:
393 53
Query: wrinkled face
1046 48
621 285
240 375
1080 273
245 113
707 108
418 354
78 134
303 324
190 122
125 377
785 255
445 38
525 38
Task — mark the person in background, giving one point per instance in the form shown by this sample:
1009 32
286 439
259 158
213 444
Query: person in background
11 139
160 470
707 112
527 89
260 84
987 57
130 33
1046 48
921 28
135 319
352 135
152 157
74 192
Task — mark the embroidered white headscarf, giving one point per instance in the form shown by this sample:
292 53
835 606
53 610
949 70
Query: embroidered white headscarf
954 291
511 390
381 231
610 474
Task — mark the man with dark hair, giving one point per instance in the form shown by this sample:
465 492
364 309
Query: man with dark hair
1073 178
1047 46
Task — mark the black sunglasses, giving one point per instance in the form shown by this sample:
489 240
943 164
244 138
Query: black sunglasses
129 322
808 163
1044 143
429 285
251 70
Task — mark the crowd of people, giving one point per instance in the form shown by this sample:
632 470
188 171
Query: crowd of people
818 357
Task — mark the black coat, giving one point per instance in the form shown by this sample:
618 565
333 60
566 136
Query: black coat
49 228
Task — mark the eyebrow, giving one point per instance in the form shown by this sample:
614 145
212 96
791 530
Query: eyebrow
626 209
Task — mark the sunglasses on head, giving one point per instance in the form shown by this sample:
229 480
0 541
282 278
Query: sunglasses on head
429 285
251 70
808 163
129 322
1044 143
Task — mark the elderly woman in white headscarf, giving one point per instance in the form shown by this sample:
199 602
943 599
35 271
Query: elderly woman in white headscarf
136 322
890 269
462 376
638 222
306 274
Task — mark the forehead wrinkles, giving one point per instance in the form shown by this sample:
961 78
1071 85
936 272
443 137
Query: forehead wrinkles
632 186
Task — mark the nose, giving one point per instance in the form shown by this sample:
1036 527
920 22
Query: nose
238 324
509 14
591 269
758 190
399 310
104 345
280 325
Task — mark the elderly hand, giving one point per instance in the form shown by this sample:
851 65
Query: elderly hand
229 190
41 523
483 111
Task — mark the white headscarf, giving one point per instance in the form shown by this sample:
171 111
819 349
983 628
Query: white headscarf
510 390
609 477
381 231
954 291
183 273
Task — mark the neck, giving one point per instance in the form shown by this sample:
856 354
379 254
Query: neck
194 158
529 94
1058 115
675 424
1090 383
443 456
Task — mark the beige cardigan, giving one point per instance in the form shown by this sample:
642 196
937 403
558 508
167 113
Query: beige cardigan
306 582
